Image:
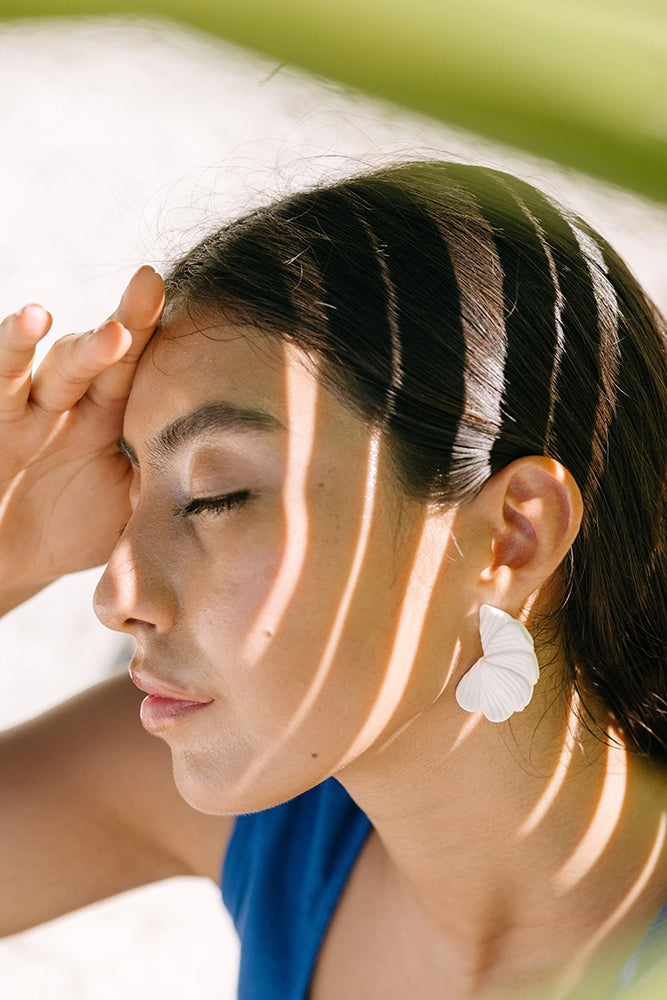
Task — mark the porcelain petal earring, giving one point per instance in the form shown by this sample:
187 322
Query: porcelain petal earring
501 682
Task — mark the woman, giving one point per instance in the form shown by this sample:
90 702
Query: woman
394 561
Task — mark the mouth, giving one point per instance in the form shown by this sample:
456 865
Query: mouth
163 705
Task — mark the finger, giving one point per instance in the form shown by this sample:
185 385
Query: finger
141 306
74 362
139 311
19 335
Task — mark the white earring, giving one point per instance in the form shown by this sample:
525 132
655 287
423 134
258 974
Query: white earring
501 682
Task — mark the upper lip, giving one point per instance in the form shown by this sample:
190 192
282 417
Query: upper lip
159 689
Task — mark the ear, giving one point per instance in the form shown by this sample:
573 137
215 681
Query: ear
534 510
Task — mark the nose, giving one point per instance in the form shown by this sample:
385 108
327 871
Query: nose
134 592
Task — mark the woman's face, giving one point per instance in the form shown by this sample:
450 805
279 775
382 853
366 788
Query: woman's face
279 587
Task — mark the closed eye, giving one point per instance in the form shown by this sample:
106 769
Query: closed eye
215 505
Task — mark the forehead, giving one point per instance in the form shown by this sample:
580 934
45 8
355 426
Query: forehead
188 365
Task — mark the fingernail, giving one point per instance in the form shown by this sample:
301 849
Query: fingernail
28 307
91 333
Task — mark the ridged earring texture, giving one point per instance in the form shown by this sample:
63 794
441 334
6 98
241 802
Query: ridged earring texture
501 682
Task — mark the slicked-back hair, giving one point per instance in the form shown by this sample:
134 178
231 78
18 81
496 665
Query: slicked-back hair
476 322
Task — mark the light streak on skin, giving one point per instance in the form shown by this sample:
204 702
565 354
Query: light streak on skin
600 830
322 673
469 727
426 566
370 491
7 498
300 444
625 905
546 800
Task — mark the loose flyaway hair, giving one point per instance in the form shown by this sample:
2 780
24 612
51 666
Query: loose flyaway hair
475 321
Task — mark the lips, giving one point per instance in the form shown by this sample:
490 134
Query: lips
164 705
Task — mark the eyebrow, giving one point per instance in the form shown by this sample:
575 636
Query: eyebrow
189 427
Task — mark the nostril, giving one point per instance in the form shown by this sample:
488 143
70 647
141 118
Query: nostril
135 624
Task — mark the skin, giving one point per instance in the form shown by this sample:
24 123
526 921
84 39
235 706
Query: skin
502 857
269 614
204 594
89 800
58 433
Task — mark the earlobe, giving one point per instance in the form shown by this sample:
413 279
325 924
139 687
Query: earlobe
537 513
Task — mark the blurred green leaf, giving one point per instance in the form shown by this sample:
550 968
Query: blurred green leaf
582 82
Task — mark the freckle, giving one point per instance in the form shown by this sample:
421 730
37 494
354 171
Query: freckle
313 755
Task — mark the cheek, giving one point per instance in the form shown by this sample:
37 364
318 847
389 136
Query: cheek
223 598
299 630
333 678
311 664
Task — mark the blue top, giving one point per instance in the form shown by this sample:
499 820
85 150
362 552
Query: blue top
283 875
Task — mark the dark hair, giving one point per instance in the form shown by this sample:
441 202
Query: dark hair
477 322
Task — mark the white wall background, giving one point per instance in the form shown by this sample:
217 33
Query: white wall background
118 141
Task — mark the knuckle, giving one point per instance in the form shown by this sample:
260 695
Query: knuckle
10 375
72 364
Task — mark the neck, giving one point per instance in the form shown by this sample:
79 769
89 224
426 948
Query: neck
525 847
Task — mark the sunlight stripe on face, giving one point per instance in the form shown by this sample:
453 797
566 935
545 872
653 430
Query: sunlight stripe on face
370 491
427 564
301 423
309 700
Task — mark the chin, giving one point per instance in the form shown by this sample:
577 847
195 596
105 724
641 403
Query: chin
221 790
201 782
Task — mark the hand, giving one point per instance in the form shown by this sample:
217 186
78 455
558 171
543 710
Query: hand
63 482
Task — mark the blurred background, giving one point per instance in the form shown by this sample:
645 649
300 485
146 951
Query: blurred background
121 140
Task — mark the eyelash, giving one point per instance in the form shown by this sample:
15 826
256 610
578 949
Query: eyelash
215 505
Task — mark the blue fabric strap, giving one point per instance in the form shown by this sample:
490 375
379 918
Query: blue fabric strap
283 875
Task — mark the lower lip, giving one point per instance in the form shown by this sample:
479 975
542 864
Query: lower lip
160 713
